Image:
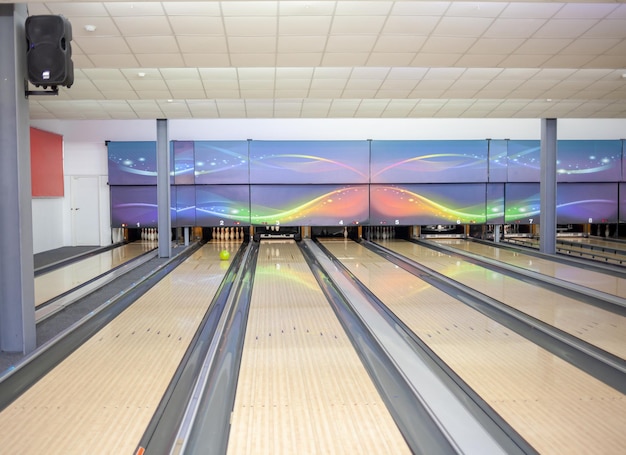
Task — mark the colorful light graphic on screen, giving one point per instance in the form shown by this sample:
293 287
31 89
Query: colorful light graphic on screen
577 161
429 161
136 206
222 205
521 202
309 205
221 162
576 203
184 199
495 203
297 162
588 161
497 160
586 203
523 161
427 204
132 163
184 163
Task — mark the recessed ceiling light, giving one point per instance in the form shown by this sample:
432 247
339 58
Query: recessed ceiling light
90 28
549 100
141 74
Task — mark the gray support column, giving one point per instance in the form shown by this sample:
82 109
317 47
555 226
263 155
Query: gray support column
547 228
163 190
17 285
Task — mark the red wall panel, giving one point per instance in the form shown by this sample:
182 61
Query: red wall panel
46 163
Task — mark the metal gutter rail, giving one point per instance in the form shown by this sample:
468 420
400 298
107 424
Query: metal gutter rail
602 365
465 427
588 293
206 423
160 435
56 304
29 370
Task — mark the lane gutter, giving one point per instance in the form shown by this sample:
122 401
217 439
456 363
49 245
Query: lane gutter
450 419
205 425
17 379
161 433
602 365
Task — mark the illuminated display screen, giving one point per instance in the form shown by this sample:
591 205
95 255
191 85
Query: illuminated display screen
589 161
577 161
429 161
524 161
221 162
427 204
497 160
184 199
521 202
297 162
586 203
136 206
222 205
309 205
132 163
334 183
495 203
184 163
622 202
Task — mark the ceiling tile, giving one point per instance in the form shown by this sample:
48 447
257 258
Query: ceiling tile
304 25
196 25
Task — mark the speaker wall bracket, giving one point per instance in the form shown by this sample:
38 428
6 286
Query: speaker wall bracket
54 91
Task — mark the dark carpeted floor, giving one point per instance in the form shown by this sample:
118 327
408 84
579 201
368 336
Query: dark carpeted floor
50 257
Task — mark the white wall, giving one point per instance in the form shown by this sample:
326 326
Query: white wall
48 224
85 151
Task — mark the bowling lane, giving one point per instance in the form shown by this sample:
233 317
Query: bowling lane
596 326
302 387
553 405
594 280
58 281
596 241
101 398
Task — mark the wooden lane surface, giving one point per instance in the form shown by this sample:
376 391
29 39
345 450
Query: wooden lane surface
576 247
596 326
58 281
579 275
596 241
557 408
302 388
100 399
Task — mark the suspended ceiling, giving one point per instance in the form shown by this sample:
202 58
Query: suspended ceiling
341 59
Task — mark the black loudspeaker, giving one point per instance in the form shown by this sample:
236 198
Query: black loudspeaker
49 54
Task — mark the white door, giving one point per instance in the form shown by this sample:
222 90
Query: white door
85 211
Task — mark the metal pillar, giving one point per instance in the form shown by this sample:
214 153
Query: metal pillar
547 227
163 190
17 284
